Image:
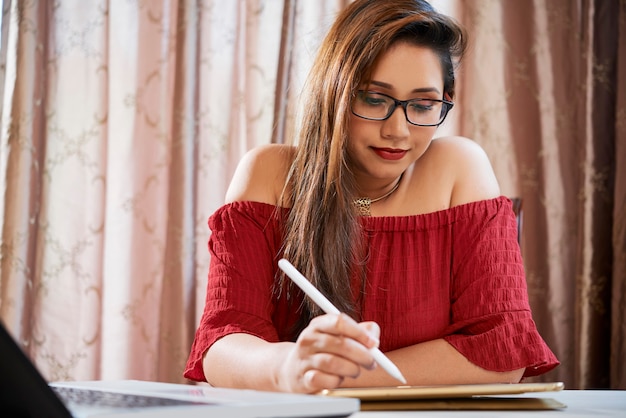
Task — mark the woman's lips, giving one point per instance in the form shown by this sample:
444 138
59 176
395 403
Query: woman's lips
390 153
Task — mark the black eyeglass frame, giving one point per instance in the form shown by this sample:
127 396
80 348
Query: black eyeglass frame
447 105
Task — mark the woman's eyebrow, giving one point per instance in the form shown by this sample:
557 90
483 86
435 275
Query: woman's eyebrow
417 90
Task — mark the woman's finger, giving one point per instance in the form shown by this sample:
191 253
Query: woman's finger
325 337
315 380
343 325
372 328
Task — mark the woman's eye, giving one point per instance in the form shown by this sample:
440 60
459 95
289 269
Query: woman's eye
372 100
422 106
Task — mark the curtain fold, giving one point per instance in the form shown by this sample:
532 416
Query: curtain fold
618 282
281 99
539 92
596 197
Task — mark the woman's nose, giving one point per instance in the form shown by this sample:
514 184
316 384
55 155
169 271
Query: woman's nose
396 126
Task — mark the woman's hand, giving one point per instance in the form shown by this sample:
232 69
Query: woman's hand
329 349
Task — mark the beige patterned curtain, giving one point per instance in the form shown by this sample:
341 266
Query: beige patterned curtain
543 90
121 124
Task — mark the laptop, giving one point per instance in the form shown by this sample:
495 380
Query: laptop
25 393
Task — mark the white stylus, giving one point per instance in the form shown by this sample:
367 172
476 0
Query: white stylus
329 308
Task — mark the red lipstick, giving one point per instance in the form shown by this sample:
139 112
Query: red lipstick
390 153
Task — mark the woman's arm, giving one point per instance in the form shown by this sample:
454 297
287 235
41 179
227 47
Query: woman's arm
432 363
319 362
331 349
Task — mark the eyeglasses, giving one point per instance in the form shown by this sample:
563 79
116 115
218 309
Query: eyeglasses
420 112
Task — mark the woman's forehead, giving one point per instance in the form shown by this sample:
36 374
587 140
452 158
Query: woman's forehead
407 68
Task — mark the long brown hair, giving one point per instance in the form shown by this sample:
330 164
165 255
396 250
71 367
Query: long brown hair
322 230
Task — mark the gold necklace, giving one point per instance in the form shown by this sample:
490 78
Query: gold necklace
364 204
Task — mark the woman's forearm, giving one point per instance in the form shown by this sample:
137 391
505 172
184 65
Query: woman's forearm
432 363
245 361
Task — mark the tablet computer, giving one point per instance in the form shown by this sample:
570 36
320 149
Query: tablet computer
398 393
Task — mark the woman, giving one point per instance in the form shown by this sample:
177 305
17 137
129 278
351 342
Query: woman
406 234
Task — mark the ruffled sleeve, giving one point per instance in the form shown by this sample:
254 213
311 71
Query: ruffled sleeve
491 321
241 273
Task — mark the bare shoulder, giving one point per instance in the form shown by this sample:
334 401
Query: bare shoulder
261 174
468 167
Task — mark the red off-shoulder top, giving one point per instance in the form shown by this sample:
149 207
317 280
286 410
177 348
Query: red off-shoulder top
455 274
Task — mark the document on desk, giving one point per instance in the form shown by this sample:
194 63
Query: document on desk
492 396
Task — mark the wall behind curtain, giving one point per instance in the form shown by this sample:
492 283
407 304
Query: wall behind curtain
121 124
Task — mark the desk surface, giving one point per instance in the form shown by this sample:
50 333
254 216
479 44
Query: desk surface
580 403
